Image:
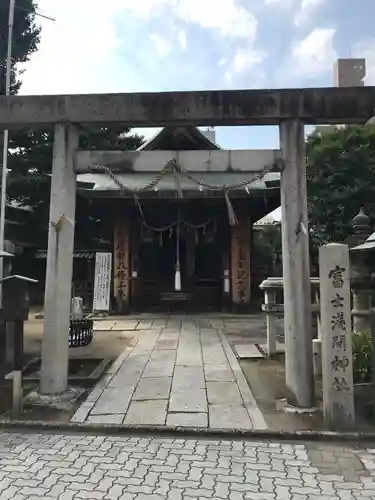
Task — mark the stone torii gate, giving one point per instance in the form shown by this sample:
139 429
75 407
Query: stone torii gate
290 109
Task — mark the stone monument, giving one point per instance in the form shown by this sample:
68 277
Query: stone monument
336 331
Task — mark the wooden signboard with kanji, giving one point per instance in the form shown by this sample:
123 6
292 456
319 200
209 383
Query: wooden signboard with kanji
121 267
240 260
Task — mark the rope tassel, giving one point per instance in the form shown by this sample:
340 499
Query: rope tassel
178 185
231 213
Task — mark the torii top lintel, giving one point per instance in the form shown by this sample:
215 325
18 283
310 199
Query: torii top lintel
213 107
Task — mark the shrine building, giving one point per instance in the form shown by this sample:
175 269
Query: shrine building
179 213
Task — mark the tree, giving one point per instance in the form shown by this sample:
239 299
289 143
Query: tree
30 157
29 180
341 180
25 40
26 36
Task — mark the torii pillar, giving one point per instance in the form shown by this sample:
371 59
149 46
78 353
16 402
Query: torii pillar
296 267
55 345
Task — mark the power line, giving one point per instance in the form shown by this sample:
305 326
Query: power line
36 13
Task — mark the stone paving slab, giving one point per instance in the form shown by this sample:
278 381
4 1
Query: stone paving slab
106 419
223 416
218 373
153 388
183 374
147 412
187 419
145 324
167 343
125 325
76 467
280 347
188 400
113 400
246 351
223 393
159 368
103 325
163 354
185 377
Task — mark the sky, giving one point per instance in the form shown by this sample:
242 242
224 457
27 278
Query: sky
158 45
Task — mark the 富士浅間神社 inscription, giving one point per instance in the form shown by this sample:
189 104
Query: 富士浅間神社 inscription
338 401
339 341
336 276
340 364
338 301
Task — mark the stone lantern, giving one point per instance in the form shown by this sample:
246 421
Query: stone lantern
360 243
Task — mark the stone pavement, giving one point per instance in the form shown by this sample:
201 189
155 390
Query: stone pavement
76 467
181 372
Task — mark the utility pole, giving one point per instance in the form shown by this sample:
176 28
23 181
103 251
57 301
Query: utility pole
5 145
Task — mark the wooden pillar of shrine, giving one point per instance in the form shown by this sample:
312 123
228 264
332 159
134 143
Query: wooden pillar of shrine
135 271
240 261
121 265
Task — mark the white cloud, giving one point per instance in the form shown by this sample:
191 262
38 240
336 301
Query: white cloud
246 59
162 45
306 11
144 8
315 54
240 64
77 52
81 51
182 39
229 18
280 3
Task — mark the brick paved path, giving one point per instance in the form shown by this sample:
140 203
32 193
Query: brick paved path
181 372
58 466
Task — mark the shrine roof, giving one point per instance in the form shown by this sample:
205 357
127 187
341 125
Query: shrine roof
100 185
177 139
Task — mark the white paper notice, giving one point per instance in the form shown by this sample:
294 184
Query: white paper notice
102 287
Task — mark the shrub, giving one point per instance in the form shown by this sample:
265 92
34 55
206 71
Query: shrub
362 357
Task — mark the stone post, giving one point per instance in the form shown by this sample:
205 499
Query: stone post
55 346
338 398
270 299
296 268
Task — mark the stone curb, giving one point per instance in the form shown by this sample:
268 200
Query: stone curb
187 432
